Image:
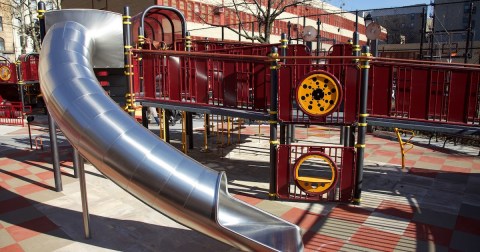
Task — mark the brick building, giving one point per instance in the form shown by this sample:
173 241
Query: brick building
336 26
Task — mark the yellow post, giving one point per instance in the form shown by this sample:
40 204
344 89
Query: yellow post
205 135
160 125
228 130
403 144
239 130
184 132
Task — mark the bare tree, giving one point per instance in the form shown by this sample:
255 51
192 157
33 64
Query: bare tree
25 20
264 12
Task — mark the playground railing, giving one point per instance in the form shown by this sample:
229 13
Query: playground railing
13 113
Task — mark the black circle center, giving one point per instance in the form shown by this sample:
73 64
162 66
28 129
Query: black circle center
318 94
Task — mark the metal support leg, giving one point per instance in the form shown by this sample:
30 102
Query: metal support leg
55 157
288 134
166 125
76 158
292 133
83 192
145 119
190 129
282 133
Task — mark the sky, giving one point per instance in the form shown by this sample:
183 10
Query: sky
373 4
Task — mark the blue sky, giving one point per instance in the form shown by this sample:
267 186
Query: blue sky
374 4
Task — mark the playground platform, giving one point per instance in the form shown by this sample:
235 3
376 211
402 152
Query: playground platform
433 205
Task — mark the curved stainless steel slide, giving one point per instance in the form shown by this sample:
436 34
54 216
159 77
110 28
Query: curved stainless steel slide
129 154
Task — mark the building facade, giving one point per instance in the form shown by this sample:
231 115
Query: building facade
404 25
205 18
7 38
451 21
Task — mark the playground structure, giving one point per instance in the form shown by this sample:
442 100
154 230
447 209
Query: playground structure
285 85
281 84
129 154
19 88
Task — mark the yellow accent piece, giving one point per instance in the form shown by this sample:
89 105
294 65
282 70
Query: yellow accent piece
360 145
366 54
362 124
403 144
127 73
315 185
283 40
272 122
273 55
125 17
127 46
5 73
275 67
283 46
139 59
127 22
276 142
364 66
357 200
318 94
363 115
188 37
272 195
41 11
272 112
128 53
141 36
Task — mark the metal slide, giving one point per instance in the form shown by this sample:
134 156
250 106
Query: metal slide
130 155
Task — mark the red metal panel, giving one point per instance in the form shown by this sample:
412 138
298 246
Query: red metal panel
285 99
261 87
229 85
148 76
217 81
402 77
380 90
350 92
201 80
174 78
419 89
473 99
283 170
458 96
437 96
347 181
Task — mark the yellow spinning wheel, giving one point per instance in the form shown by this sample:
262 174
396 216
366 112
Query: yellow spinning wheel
5 73
319 94
315 173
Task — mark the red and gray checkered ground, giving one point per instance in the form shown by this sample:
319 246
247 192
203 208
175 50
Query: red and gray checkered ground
434 205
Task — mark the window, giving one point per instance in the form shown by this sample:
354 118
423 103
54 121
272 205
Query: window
2 45
1 23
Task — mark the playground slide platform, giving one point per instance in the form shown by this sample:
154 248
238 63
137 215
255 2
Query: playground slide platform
129 154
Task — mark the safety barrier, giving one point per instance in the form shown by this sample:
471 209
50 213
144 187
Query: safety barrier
425 91
12 113
315 173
